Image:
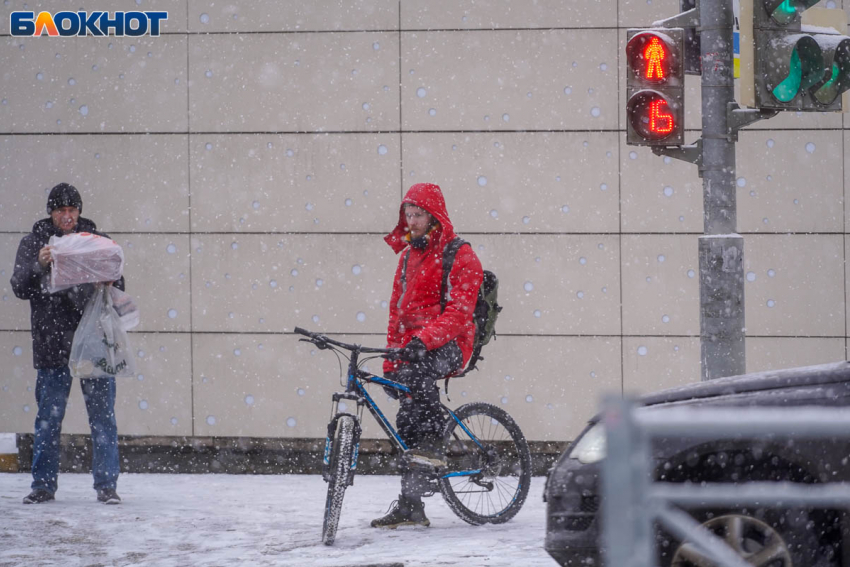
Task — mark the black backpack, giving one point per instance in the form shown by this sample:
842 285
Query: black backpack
487 307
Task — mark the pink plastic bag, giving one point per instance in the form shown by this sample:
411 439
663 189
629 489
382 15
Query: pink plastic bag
82 257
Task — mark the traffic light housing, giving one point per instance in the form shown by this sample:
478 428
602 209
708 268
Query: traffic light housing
655 87
789 65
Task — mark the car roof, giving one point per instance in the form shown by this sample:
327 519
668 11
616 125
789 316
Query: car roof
789 378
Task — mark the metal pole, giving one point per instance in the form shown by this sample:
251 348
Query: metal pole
628 539
721 250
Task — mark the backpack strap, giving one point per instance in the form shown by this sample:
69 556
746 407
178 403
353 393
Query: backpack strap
449 254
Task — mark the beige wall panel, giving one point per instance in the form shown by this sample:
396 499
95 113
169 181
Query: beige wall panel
160 403
846 162
267 385
555 284
520 182
441 90
156 402
794 285
658 194
175 23
790 181
292 15
294 82
14 312
775 353
258 283
550 385
642 13
284 388
17 383
118 84
800 121
157 275
651 364
489 14
846 283
113 174
660 285
298 183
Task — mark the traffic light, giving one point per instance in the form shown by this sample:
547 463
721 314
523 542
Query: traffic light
655 83
788 65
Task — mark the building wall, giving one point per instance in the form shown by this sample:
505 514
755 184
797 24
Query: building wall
251 159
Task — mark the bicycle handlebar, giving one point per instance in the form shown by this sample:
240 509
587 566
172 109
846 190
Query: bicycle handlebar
317 338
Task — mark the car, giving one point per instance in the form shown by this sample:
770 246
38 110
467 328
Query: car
792 537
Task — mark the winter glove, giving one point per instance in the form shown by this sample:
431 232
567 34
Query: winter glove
414 351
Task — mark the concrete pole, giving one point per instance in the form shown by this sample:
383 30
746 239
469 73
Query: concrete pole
721 250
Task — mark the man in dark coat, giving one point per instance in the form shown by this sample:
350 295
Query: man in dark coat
437 339
54 318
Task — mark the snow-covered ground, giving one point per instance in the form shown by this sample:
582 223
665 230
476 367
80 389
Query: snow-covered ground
226 520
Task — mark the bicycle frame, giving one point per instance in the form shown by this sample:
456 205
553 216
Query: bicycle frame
355 391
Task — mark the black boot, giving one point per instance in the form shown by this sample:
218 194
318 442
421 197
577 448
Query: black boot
38 496
108 496
403 512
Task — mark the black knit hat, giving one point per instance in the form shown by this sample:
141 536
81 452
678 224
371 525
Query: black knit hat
64 195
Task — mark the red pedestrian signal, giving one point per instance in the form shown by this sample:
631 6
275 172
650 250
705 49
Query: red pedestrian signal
655 87
654 55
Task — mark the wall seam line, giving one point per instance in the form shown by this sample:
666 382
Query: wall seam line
189 181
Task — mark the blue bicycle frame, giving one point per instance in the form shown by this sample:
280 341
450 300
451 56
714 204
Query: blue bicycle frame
356 391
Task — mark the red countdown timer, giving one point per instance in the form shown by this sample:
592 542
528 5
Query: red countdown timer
651 116
655 80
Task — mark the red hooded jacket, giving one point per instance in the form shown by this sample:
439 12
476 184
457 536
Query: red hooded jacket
416 313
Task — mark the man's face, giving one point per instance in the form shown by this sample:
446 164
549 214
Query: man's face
418 220
65 218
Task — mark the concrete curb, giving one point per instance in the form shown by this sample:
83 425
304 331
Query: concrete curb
8 453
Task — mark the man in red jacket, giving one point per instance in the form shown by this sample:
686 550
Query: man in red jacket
437 340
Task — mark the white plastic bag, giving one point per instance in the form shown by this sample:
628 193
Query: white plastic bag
126 308
83 257
100 348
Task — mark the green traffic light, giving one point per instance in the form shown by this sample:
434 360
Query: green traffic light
836 79
827 93
786 11
788 89
803 69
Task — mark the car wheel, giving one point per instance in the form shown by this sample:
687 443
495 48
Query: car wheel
753 540
810 537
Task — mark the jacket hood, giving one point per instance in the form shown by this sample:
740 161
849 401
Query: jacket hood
45 227
425 196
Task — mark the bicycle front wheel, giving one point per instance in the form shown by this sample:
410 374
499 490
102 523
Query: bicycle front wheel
489 465
340 467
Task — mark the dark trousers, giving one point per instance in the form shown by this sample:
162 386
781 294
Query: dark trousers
420 421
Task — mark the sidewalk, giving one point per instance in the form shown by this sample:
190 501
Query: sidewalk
251 520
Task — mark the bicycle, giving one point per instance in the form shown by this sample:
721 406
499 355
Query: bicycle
488 471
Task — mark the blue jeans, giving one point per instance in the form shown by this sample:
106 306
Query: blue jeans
51 393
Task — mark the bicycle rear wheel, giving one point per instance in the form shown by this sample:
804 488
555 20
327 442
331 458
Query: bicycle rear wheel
340 467
490 469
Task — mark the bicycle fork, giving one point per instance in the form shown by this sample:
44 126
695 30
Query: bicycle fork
331 434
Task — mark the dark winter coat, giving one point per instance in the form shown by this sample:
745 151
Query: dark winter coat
54 316
416 312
